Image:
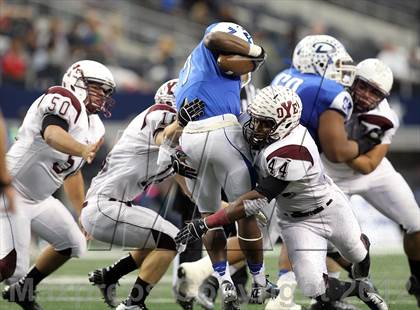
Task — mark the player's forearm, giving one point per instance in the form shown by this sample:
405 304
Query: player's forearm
62 141
226 216
368 162
342 151
171 133
233 212
75 191
221 42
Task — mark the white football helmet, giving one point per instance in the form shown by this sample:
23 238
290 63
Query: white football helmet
238 31
233 29
274 112
372 83
82 73
166 93
325 56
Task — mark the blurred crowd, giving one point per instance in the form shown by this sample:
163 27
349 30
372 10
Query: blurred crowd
35 47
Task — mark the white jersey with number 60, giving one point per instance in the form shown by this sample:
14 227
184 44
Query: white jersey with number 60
38 170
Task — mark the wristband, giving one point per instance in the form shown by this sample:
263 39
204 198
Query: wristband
254 50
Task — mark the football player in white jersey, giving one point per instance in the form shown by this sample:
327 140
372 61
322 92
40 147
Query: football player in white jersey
8 262
109 214
60 132
371 175
312 209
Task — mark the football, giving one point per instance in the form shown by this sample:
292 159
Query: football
235 64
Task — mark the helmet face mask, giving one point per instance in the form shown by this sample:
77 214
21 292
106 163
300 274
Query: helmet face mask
274 112
366 96
372 84
99 99
93 84
258 131
325 56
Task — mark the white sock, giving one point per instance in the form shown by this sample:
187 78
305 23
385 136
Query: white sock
259 276
223 277
335 275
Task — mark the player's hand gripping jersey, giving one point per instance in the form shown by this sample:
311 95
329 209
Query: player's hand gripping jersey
38 169
132 163
317 94
381 121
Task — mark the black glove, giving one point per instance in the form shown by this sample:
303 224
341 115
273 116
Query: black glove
190 111
260 59
369 140
181 167
194 230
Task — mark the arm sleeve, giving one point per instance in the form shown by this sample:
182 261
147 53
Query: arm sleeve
51 119
62 107
271 187
159 119
342 103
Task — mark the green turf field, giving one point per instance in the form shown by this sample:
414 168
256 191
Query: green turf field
68 288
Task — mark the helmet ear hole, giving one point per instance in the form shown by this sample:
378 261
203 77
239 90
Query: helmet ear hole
287 125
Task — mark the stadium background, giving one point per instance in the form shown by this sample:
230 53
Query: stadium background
146 43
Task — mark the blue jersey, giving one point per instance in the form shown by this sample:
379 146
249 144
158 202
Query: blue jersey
202 78
317 95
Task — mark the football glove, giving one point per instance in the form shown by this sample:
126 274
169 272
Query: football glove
190 111
194 230
369 140
178 162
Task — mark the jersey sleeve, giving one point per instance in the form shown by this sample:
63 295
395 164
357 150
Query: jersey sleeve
289 163
389 134
382 118
60 102
159 116
342 103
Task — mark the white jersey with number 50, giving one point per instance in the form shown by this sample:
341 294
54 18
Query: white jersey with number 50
38 170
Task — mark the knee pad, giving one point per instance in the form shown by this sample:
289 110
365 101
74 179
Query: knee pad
8 265
311 284
78 246
163 241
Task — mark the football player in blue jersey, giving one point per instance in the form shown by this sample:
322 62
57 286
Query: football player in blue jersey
321 71
215 146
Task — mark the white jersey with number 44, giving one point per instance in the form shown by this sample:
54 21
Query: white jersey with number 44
295 159
38 170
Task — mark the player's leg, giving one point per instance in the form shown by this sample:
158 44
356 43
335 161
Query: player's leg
196 272
106 278
54 223
237 177
354 247
135 227
8 231
286 283
204 151
23 291
152 269
393 197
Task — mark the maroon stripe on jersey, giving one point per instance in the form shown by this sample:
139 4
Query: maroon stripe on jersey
157 107
293 151
66 93
378 120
